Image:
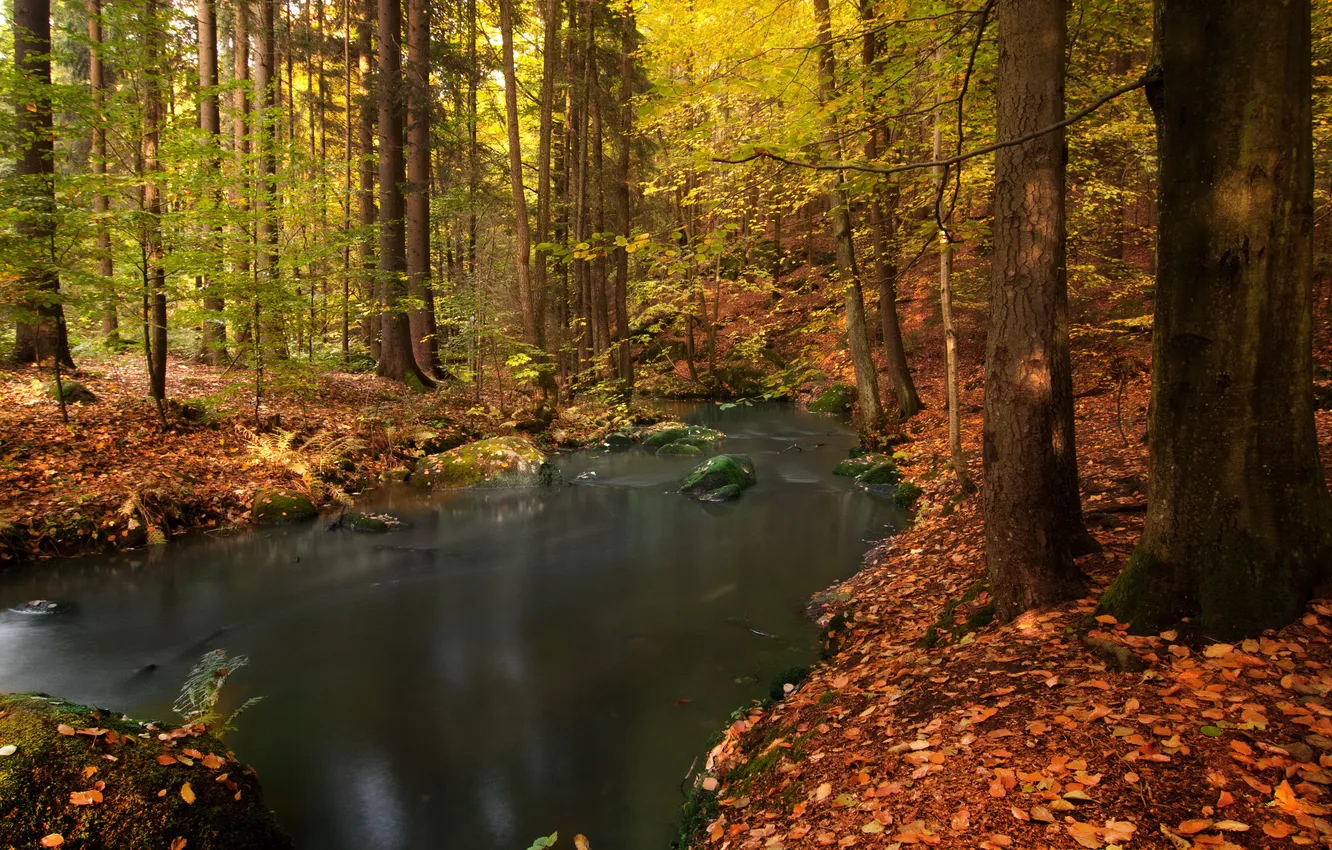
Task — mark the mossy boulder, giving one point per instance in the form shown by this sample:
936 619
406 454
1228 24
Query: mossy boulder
497 462
665 433
275 506
721 478
906 494
618 441
838 398
74 392
861 463
46 786
367 523
681 448
881 479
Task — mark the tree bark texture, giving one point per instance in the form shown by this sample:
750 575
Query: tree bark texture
522 240
1032 512
365 172
97 153
421 317
1237 531
214 336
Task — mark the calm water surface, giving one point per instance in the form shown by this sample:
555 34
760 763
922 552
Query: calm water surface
513 663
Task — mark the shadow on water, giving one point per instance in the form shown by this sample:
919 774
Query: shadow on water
512 663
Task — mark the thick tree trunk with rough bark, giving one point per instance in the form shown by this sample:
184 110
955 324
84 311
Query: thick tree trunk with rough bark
425 345
522 240
1033 518
214 330
1238 518
41 332
867 379
396 359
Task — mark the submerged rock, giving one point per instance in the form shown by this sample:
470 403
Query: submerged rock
838 398
619 441
665 433
719 479
46 787
74 392
497 462
275 506
40 607
366 523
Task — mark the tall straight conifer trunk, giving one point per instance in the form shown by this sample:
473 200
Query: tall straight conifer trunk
155 303
365 173
1238 518
862 361
522 240
214 336
97 155
425 343
1033 518
396 359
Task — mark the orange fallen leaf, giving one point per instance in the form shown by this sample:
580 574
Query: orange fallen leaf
1277 829
1085 834
580 843
187 793
178 843
1191 827
213 762
67 731
1225 799
85 798
166 760
55 839
89 771
194 754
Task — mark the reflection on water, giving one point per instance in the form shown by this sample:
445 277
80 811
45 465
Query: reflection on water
513 663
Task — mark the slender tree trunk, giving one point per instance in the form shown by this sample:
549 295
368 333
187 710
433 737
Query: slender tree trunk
473 149
522 241
243 249
370 320
600 305
266 125
41 330
214 337
101 201
883 239
425 345
396 359
1239 522
156 254
623 221
951 376
550 64
1032 513
867 380
346 182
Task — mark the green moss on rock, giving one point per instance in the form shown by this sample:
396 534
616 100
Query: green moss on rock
275 506
364 524
838 398
46 767
497 462
665 433
860 463
682 448
721 478
906 495
881 479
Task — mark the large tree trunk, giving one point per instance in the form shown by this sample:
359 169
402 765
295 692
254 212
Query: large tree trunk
1032 513
214 336
1237 533
395 356
425 344
41 329
365 167
156 253
623 221
522 241
101 200
867 379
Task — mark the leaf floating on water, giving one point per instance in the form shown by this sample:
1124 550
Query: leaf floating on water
8 750
55 839
187 793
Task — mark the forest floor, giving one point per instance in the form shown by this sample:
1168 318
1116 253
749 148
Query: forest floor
927 724
118 469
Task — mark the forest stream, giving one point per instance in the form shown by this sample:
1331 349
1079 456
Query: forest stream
510 663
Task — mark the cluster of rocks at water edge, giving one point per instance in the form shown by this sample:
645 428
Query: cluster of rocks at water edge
878 474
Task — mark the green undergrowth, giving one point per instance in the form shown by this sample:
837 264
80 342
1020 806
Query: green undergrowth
947 630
